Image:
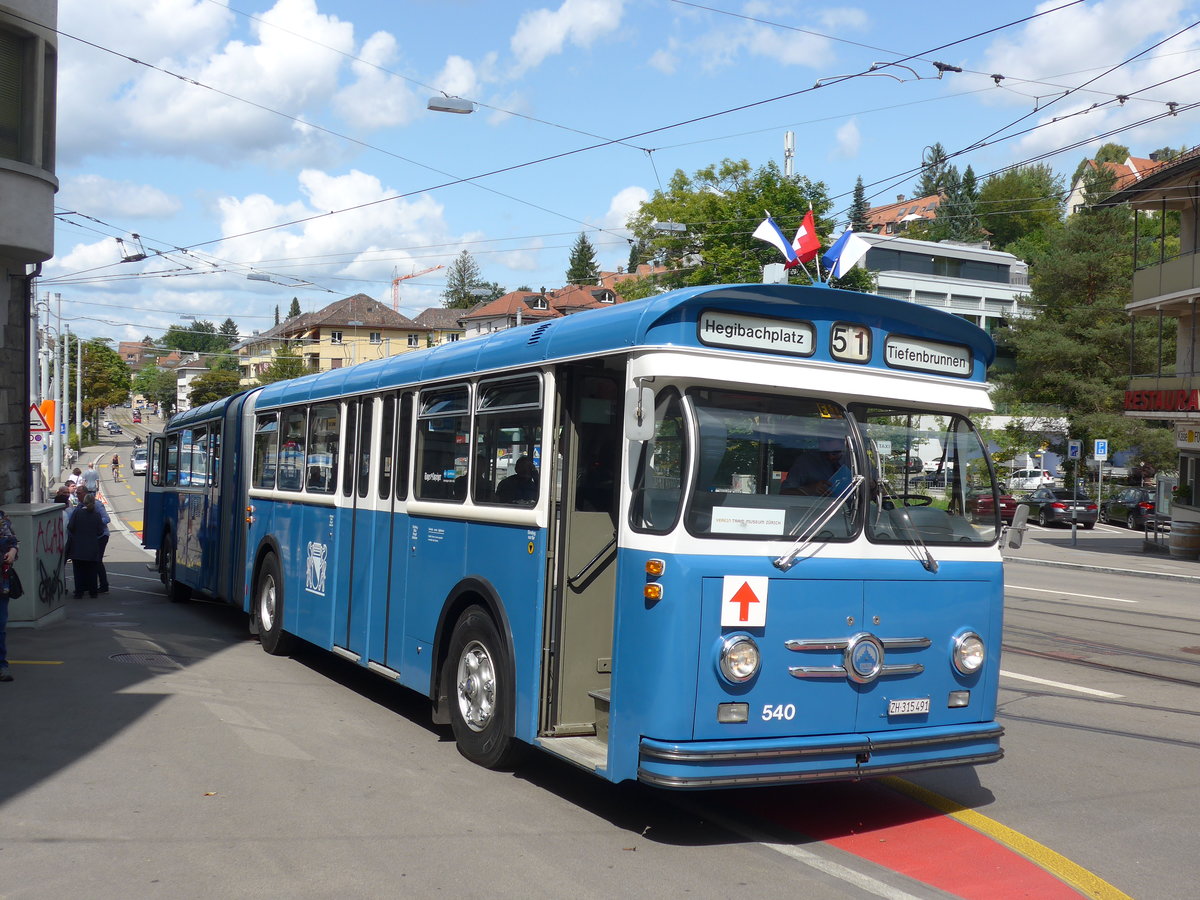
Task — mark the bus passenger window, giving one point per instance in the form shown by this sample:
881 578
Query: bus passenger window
403 438
508 442
387 438
443 432
171 465
322 449
291 449
266 451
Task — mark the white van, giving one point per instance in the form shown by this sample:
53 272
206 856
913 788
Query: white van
1029 479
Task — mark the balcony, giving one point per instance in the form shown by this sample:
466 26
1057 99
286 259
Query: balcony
1173 279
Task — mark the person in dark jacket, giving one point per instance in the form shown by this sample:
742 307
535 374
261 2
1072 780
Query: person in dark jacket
8 556
83 544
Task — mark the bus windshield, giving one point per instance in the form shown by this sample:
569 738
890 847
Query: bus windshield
931 482
768 465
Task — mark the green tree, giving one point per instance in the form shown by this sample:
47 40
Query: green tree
859 207
1015 204
1073 354
957 219
213 385
158 386
225 361
105 380
276 313
720 206
199 337
285 363
294 309
229 331
933 171
464 283
583 268
1110 152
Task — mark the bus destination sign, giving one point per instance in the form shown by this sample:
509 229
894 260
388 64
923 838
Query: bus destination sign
723 329
902 352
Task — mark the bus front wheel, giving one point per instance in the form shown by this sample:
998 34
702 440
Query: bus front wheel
176 592
268 608
481 692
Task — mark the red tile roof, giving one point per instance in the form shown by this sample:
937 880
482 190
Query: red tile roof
909 210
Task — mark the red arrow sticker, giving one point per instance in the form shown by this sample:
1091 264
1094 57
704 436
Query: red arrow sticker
744 601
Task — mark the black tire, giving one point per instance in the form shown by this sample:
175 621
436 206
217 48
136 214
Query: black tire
176 592
1043 519
268 608
479 684
1088 526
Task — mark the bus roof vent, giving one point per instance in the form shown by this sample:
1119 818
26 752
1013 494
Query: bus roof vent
537 333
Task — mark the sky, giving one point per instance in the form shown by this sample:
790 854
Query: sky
291 142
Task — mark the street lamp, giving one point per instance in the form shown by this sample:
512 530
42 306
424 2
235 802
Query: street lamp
448 104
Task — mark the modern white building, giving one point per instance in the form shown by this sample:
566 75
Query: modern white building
980 285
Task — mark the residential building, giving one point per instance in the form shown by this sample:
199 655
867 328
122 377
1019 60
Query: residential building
28 99
186 371
1125 175
611 279
980 285
1167 289
137 353
351 330
443 325
894 218
524 307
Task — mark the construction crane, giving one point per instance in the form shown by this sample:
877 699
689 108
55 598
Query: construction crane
399 278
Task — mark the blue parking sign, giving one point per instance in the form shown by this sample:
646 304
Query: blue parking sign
1074 449
1100 450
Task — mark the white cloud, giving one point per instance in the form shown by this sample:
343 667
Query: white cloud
105 198
625 203
458 78
848 140
377 99
543 32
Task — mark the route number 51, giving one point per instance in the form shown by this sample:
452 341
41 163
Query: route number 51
850 343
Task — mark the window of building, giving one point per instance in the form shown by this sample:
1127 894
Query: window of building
453 337
376 337
335 337
413 341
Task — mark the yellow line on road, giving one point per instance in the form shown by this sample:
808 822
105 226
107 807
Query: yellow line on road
35 662
1056 864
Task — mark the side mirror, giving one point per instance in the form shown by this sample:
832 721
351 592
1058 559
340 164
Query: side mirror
1014 535
639 413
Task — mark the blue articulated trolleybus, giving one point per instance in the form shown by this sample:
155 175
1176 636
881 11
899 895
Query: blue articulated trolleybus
684 540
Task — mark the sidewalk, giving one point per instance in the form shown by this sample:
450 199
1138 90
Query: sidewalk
1103 549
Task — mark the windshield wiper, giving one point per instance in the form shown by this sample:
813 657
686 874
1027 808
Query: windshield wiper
925 558
788 560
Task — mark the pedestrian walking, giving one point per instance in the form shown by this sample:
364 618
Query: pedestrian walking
101 572
83 544
8 556
91 479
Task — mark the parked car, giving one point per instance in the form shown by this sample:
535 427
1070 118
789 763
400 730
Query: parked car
137 462
981 508
1132 507
1058 506
113 428
1029 479
911 464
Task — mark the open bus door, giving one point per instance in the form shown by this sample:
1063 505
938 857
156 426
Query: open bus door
575 693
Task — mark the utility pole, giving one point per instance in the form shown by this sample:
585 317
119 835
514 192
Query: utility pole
789 152
79 391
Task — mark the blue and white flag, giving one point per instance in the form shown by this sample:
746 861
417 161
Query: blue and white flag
768 231
844 254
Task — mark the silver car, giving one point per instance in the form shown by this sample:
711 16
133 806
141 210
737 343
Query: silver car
138 461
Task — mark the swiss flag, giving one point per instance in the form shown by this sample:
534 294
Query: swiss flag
806 243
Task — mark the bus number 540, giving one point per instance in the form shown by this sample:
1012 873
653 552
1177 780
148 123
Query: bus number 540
782 711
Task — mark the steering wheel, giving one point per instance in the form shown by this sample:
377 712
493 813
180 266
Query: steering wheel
918 499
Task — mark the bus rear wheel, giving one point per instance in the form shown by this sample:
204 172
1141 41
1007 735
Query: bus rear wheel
481 692
268 608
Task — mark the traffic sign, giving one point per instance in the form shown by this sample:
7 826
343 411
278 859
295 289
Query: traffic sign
1074 449
37 422
1100 450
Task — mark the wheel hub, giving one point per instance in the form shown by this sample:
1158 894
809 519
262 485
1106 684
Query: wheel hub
476 683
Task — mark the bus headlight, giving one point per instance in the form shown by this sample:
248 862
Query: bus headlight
969 653
739 658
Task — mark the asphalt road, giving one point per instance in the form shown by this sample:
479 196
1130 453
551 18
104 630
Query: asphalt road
152 749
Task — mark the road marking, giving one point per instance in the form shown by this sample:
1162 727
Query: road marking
35 662
1063 685
1087 883
1019 587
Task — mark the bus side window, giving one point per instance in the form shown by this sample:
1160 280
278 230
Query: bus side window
403 446
443 435
171 464
321 476
508 442
266 451
291 449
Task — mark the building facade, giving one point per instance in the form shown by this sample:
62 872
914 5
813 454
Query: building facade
28 99
980 285
1166 287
